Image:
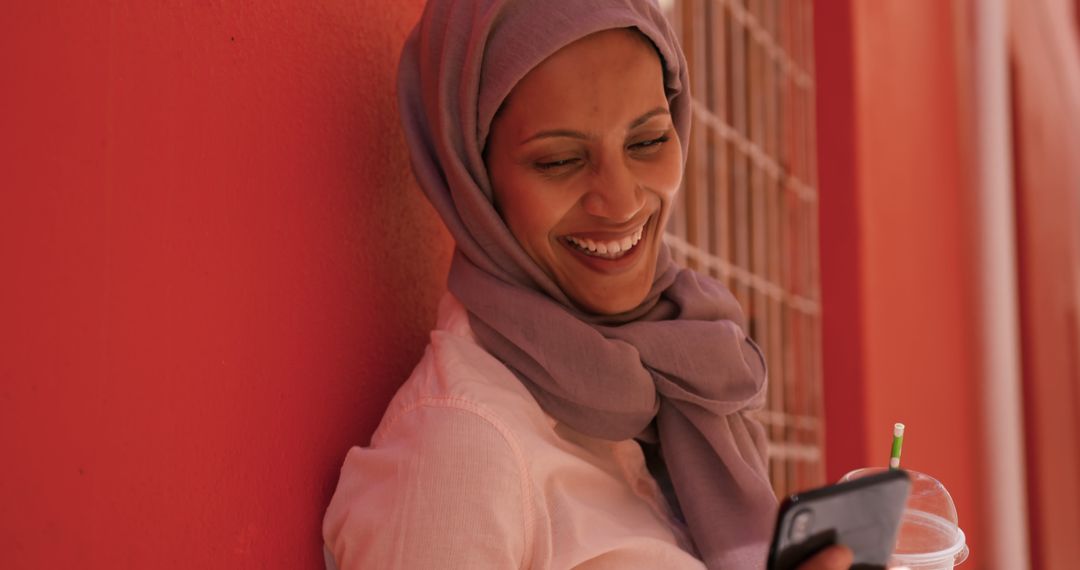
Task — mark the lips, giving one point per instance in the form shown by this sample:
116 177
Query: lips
609 248
614 258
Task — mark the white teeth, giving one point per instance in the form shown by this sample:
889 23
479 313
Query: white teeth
609 250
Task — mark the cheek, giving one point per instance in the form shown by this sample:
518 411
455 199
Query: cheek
665 175
531 212
513 199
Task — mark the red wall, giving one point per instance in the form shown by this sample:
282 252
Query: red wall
1046 99
896 238
215 270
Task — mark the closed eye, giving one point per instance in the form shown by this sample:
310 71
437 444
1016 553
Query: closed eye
555 164
650 143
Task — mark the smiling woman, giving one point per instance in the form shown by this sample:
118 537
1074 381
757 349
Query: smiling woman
584 402
584 162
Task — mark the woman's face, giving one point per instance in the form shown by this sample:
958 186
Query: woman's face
584 162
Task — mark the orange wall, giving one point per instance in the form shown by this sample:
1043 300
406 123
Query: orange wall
898 309
215 272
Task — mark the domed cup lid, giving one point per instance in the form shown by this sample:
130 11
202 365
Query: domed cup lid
930 534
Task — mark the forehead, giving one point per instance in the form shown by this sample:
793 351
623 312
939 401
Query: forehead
604 77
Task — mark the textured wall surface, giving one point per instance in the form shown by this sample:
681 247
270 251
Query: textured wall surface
216 269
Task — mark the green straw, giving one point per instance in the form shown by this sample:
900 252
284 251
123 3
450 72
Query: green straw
897 443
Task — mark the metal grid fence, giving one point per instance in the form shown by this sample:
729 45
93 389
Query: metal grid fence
747 212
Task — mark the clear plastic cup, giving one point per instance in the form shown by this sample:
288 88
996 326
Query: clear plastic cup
930 537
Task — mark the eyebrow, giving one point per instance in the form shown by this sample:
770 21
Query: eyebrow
580 135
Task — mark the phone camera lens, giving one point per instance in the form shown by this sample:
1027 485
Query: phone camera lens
801 525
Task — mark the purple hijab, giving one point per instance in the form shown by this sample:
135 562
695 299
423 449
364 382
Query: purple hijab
679 365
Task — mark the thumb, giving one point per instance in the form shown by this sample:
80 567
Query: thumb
836 557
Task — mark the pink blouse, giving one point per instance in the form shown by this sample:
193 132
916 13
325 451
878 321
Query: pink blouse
467 471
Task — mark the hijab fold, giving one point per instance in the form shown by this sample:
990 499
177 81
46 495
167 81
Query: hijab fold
679 363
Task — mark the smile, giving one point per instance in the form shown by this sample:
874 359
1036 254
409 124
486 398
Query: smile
606 249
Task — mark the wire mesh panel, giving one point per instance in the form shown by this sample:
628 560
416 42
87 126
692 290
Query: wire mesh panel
747 213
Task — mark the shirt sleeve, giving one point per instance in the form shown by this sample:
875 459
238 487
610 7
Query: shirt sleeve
443 485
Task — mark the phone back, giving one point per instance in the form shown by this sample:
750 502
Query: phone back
863 514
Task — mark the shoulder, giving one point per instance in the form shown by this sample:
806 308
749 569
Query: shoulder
446 481
447 485
452 432
456 373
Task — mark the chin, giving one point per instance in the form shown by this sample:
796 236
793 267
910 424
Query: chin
605 308
602 305
611 295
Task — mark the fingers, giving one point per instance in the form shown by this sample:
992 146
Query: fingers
836 557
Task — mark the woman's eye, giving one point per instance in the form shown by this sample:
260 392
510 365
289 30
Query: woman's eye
649 144
556 164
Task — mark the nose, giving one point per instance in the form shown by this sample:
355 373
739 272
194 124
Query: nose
615 193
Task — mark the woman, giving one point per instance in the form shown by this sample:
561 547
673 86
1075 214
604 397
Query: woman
583 401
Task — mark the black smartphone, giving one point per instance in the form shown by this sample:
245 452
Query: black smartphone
862 514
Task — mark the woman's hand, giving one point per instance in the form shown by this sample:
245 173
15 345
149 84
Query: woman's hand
836 557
